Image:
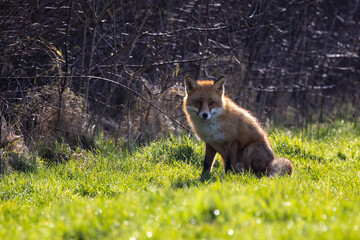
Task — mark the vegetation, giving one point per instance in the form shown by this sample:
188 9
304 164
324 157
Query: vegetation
155 192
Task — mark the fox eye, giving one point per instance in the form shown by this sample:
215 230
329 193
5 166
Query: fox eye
211 103
199 102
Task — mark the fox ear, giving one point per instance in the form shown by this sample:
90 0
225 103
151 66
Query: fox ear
190 84
219 84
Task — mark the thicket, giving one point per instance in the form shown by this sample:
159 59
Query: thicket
289 62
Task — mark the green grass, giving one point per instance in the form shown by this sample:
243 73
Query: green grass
156 193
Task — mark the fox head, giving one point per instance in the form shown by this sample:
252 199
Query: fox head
204 98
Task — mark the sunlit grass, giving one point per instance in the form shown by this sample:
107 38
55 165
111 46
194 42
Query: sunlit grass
156 193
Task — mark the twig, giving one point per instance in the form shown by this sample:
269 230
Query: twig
0 137
140 96
200 29
66 39
160 63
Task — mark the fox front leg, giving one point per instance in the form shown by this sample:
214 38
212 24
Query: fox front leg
231 158
209 158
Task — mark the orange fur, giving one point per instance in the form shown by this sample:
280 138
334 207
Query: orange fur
229 130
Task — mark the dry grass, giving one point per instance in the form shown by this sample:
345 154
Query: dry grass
14 150
45 117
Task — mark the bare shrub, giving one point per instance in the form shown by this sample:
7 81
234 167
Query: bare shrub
48 116
51 116
47 120
144 122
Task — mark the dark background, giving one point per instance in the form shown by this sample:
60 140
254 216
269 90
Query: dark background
291 63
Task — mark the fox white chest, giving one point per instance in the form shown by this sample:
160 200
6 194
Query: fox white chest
210 131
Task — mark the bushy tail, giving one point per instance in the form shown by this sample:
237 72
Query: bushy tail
280 167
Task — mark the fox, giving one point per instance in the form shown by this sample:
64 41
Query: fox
229 130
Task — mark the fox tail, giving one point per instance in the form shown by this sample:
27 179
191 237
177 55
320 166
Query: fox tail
280 167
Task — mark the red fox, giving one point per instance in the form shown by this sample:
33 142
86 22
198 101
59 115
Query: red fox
229 130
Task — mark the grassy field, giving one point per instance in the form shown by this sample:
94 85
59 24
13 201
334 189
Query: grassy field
155 192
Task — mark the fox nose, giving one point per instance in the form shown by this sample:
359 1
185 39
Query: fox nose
204 115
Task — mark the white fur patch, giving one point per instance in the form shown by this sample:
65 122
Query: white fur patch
207 117
216 112
210 130
192 109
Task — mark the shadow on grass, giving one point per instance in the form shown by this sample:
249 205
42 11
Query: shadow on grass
203 179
